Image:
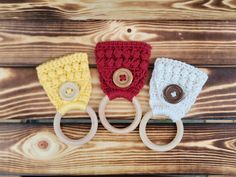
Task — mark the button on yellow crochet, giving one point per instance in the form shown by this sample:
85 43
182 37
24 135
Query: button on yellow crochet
67 81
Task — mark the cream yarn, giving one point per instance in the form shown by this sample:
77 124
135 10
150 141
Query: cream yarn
169 71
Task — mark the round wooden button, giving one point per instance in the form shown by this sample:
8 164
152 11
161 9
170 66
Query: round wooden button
69 91
122 77
173 93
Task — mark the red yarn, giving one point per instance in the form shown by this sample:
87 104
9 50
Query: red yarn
113 55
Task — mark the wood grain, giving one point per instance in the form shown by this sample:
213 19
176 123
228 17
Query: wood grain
22 97
127 9
199 32
31 42
205 149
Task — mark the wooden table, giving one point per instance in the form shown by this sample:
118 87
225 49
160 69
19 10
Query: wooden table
202 33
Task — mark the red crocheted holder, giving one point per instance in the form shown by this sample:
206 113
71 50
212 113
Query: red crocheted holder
131 55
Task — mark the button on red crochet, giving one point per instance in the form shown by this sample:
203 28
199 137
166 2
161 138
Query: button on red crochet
131 55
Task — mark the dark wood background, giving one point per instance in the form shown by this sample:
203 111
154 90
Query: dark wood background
199 32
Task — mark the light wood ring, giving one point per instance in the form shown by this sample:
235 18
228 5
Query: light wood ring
79 142
109 127
155 147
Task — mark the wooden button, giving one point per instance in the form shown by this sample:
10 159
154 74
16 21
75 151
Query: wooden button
69 91
122 77
173 93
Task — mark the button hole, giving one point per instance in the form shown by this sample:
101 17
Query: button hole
122 77
69 91
173 94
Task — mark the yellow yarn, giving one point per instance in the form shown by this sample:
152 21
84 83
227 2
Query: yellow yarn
71 68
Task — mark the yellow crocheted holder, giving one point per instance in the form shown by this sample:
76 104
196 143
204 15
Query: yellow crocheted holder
71 68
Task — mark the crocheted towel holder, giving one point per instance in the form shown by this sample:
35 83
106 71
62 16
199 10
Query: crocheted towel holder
174 87
67 82
123 67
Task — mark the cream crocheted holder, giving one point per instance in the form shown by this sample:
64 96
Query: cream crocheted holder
166 72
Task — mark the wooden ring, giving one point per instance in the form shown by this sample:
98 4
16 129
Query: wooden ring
155 147
79 142
112 129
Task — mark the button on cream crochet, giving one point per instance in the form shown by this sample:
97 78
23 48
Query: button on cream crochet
166 72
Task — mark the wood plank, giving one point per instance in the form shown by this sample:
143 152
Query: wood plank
32 42
126 9
34 149
21 97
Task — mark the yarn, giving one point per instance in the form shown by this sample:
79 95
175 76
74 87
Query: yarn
71 68
167 72
131 55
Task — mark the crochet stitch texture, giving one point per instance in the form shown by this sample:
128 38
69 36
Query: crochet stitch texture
71 68
168 71
112 55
